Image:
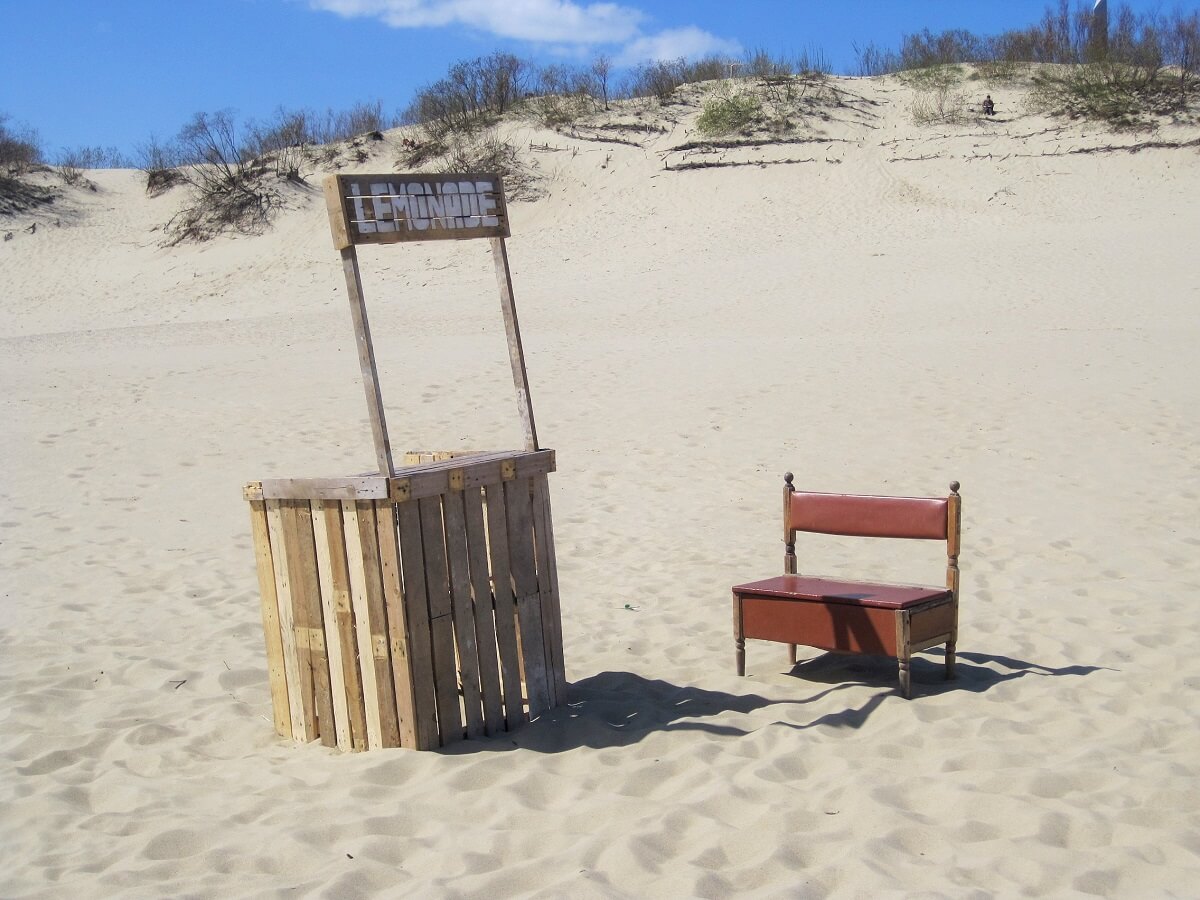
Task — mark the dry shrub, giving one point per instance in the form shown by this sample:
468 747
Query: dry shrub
941 106
488 152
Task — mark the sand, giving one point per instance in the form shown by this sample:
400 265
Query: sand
916 304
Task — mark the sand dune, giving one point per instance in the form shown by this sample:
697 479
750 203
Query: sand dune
976 302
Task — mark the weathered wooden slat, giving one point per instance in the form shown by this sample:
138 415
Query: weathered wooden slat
419 634
485 617
515 352
434 479
441 620
276 674
366 360
367 487
421 457
397 619
318 651
297 682
360 589
505 607
340 726
380 644
464 615
548 584
518 500
306 616
344 612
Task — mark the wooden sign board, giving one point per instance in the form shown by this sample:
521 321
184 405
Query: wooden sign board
388 209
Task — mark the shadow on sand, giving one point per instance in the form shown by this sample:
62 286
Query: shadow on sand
616 709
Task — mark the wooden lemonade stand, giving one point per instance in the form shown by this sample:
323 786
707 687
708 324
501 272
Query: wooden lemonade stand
417 605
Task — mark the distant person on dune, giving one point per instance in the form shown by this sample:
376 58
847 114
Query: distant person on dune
989 108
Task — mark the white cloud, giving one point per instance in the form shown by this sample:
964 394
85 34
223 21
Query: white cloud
690 42
566 23
531 20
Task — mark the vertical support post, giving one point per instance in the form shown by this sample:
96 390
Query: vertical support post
789 543
953 538
366 361
516 354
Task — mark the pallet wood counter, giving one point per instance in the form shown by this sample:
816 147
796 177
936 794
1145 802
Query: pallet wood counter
413 610
416 606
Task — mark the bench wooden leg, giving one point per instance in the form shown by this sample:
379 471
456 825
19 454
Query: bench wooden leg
951 646
739 640
791 654
904 652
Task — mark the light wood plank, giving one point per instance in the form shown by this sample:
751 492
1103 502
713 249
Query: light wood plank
276 674
441 620
300 595
505 607
365 487
397 619
464 615
420 641
360 600
306 589
344 612
485 616
333 643
287 625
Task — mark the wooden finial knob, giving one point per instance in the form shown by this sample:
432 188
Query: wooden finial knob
954 487
787 477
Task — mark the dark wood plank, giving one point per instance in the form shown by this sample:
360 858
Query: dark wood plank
420 641
306 611
521 556
485 614
547 567
397 619
441 620
505 607
464 616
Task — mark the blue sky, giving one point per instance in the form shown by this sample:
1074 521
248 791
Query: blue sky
116 72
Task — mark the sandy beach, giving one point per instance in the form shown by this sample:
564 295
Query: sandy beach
1011 302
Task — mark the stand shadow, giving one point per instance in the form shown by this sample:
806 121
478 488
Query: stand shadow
617 709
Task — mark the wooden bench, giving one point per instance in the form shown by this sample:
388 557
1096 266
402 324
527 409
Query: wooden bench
856 616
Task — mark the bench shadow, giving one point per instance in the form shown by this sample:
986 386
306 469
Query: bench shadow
974 672
617 709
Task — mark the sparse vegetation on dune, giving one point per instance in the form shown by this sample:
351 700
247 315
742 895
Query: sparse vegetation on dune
1141 70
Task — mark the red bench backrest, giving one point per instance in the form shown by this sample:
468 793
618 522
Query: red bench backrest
867 516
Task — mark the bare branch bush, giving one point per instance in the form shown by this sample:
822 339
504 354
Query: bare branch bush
72 163
486 151
942 105
20 149
160 163
227 188
471 96
20 154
